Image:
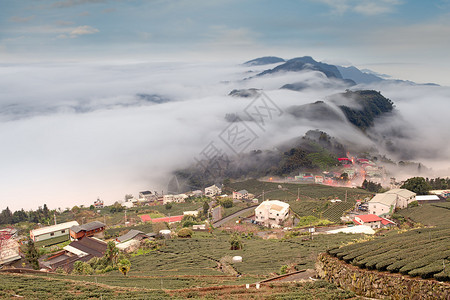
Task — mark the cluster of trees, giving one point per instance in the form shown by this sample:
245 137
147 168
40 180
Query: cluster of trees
112 260
417 185
371 186
41 215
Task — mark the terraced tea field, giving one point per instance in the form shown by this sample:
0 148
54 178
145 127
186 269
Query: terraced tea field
421 252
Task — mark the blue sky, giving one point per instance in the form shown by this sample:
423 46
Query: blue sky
407 39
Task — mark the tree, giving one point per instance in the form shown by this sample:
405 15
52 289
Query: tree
32 255
124 266
235 242
6 216
168 205
205 208
46 212
417 185
112 253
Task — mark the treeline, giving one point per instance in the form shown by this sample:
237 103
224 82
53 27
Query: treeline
438 183
371 105
41 215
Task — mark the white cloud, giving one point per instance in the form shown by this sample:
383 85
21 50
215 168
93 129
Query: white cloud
82 30
364 7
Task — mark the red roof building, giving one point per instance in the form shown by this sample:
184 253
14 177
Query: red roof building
146 218
373 221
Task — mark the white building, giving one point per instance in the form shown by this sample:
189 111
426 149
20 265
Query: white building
271 213
386 203
50 232
239 195
404 197
180 198
215 189
168 198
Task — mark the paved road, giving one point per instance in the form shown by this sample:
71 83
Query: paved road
232 216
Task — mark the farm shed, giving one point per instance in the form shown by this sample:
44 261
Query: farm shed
50 232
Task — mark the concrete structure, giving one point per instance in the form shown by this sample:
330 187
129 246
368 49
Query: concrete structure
168 198
382 204
180 198
385 204
373 221
95 228
9 249
240 195
50 232
215 189
193 213
271 213
318 179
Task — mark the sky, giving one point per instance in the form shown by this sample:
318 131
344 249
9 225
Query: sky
405 39
76 76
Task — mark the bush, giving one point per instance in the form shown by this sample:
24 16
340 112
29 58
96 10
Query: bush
227 203
283 269
185 233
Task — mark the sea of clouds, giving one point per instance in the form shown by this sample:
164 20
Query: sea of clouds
72 132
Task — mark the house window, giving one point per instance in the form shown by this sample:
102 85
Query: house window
52 233
63 231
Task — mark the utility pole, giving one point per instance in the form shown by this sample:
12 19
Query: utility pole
298 194
125 216
54 215
345 195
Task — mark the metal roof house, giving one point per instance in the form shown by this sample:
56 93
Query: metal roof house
82 250
49 232
95 228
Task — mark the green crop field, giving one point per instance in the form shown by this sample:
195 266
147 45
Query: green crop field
421 252
313 197
199 255
335 211
290 191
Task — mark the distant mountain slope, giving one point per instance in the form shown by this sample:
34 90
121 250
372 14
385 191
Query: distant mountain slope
362 107
358 76
266 60
316 111
305 63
